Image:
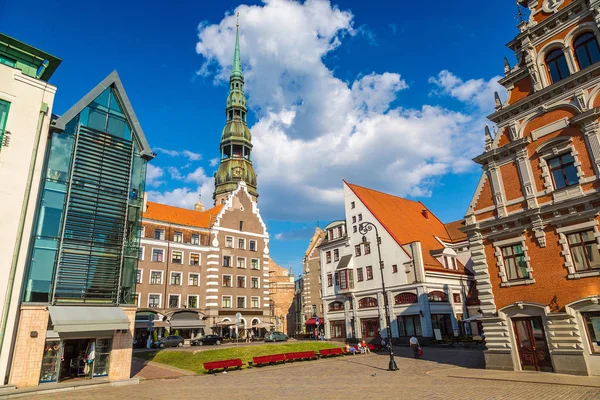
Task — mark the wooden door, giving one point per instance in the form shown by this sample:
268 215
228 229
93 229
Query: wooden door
532 345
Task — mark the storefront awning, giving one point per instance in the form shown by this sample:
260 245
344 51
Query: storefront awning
186 323
313 321
87 319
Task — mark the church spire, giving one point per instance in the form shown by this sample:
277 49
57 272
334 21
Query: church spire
236 69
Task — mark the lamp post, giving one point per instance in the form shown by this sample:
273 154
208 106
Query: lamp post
363 228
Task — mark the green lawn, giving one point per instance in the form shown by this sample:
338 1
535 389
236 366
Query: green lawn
193 362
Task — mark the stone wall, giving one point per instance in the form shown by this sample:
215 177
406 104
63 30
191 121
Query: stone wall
28 351
121 352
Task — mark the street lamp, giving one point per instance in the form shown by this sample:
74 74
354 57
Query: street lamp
363 228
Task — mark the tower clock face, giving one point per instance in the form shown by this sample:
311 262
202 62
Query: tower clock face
237 172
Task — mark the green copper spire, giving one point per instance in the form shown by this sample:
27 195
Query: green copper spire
236 139
236 69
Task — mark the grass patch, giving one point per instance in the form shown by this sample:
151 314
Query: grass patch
193 362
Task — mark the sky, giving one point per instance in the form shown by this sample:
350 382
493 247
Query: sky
388 95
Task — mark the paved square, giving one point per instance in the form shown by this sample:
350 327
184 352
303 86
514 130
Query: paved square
350 377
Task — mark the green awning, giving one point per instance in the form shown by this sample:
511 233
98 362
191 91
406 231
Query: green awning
87 319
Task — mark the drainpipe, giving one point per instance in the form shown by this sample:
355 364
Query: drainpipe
13 268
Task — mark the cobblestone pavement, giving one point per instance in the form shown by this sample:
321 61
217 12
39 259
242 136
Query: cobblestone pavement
350 377
146 370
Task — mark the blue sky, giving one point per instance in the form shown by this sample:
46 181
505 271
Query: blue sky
388 95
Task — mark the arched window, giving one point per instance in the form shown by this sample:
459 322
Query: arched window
367 302
438 296
586 50
336 306
557 65
405 298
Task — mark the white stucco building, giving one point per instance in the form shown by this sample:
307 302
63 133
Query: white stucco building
425 266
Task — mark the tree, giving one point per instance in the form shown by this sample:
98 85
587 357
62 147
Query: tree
155 335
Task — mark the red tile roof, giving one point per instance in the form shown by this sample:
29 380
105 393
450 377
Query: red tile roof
406 223
453 229
181 216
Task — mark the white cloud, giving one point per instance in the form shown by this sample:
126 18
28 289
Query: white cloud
313 129
213 162
175 174
191 156
153 175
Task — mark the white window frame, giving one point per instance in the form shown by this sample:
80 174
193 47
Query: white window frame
193 273
159 299
566 230
162 235
141 276
245 282
232 242
243 242
197 300
230 261
182 256
257 262
180 278
174 235
230 301
551 150
143 252
162 276
257 298
178 300
257 279
498 245
142 231
139 296
192 239
255 245
152 255
237 259
236 301
190 259
231 280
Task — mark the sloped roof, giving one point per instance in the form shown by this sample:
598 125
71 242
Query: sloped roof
405 222
315 240
181 216
453 229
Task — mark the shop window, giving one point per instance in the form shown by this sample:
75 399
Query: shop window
557 65
587 51
336 306
438 296
369 270
563 171
367 302
337 329
50 361
584 250
101 362
369 327
514 262
405 298
443 322
592 323
409 325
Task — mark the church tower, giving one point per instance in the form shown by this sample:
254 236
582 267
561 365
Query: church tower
236 140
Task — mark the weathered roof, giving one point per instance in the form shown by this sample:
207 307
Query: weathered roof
181 216
405 222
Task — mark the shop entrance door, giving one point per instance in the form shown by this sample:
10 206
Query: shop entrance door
533 348
74 361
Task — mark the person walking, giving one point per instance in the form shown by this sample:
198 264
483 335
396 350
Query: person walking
414 345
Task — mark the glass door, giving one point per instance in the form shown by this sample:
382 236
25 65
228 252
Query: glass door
51 361
533 347
101 362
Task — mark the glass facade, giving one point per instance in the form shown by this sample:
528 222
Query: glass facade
86 240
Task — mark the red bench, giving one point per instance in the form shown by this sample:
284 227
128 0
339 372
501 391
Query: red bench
331 352
270 359
374 347
223 364
300 355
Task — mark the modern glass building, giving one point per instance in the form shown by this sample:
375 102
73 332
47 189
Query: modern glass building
84 244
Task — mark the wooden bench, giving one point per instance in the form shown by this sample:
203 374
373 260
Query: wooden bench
270 359
337 351
300 355
222 364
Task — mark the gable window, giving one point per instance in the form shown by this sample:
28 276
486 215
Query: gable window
254 263
156 277
175 278
563 171
336 255
177 257
584 250
241 281
253 245
359 274
194 259
557 65
227 261
157 255
367 302
340 232
586 50
328 256
359 217
195 238
405 298
227 281
178 237
329 280
354 228
193 280
369 270
229 242
437 296
159 234
336 306
357 250
354 219
514 262
255 283
242 244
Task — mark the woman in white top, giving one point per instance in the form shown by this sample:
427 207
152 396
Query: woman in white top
414 345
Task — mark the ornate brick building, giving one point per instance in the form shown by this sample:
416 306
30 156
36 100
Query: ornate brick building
533 221
281 289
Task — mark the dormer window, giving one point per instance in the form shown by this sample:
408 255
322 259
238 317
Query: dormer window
557 65
587 51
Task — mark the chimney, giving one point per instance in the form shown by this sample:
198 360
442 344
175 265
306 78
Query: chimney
425 213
